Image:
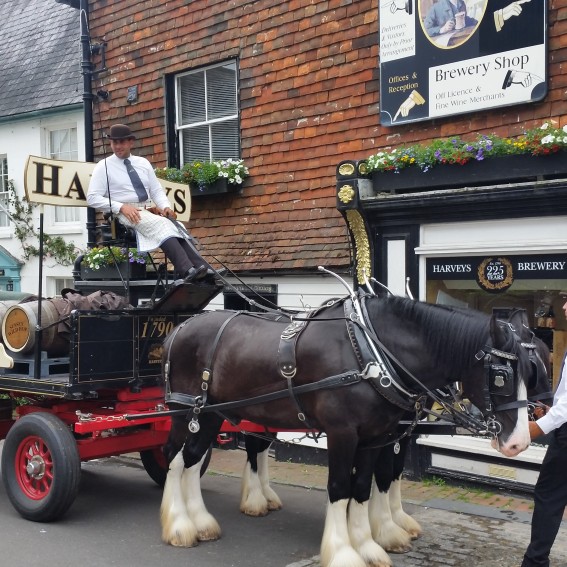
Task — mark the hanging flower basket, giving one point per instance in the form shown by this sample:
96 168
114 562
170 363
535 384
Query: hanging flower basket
208 177
125 269
539 153
491 171
112 263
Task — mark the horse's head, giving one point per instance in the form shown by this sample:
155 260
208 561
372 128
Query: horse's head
539 384
502 399
437 345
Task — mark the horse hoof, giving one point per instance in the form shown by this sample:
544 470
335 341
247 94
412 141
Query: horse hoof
178 538
399 549
254 512
208 528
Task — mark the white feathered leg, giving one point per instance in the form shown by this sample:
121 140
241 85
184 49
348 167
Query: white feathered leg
176 525
336 550
384 530
361 536
404 520
207 527
274 502
252 501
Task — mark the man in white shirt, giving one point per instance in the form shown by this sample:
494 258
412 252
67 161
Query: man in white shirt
550 494
126 185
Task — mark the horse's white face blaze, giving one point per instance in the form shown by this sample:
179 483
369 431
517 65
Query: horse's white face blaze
519 439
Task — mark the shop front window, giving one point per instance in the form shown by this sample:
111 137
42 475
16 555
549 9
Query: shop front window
495 284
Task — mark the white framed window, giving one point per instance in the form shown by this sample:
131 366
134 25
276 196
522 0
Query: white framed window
207 117
57 285
62 144
4 192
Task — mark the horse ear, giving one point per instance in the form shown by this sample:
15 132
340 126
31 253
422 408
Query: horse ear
497 332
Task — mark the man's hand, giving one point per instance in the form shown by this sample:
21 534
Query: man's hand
513 9
535 429
413 99
131 212
449 26
167 212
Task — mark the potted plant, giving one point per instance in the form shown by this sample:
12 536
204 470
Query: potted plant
207 177
111 262
455 162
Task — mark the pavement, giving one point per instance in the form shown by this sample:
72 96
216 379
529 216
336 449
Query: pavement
462 525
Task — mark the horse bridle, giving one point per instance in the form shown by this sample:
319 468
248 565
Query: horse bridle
498 379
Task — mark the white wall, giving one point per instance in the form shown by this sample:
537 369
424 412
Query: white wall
296 292
18 140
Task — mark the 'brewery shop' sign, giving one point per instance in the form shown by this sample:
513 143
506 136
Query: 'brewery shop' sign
65 184
445 57
496 273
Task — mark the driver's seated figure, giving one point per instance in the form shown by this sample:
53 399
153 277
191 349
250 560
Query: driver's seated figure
133 186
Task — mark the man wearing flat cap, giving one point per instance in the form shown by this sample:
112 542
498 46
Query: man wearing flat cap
550 493
126 185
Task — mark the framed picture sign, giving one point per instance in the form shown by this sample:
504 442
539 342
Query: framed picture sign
445 57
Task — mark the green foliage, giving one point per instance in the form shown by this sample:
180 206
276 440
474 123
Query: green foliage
21 212
435 481
96 258
544 140
206 172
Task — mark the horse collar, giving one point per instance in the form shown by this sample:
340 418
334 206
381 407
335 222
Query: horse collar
383 375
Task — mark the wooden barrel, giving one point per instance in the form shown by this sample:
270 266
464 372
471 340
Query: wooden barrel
19 324
5 305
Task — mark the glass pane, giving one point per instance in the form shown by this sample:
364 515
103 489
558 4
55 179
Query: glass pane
62 283
67 214
63 144
226 139
191 93
4 193
195 143
4 220
221 92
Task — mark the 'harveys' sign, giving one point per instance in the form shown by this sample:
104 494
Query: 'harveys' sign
65 184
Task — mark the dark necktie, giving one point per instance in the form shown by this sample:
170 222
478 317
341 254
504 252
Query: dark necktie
136 181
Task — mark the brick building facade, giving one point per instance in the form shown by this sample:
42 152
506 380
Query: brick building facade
308 97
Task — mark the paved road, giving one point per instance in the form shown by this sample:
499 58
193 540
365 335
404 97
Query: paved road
114 521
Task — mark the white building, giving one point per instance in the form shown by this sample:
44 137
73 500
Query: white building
41 113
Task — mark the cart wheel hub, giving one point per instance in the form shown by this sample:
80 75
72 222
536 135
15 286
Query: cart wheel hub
36 467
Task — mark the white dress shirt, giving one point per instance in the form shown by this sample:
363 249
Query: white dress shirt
111 173
557 415
151 230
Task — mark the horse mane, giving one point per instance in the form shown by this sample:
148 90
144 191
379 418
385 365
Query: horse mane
452 334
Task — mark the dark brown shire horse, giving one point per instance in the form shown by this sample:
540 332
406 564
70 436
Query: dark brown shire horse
392 528
315 372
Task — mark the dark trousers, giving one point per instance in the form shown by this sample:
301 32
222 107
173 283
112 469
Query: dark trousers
550 499
183 255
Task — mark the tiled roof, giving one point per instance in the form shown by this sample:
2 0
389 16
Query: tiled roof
40 56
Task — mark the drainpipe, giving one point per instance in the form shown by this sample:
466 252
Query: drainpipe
87 71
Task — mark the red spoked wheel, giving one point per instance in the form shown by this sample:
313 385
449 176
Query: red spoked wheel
41 467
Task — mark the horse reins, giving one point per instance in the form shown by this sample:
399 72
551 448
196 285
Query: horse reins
387 379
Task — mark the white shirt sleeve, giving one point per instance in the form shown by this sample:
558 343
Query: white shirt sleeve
557 415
